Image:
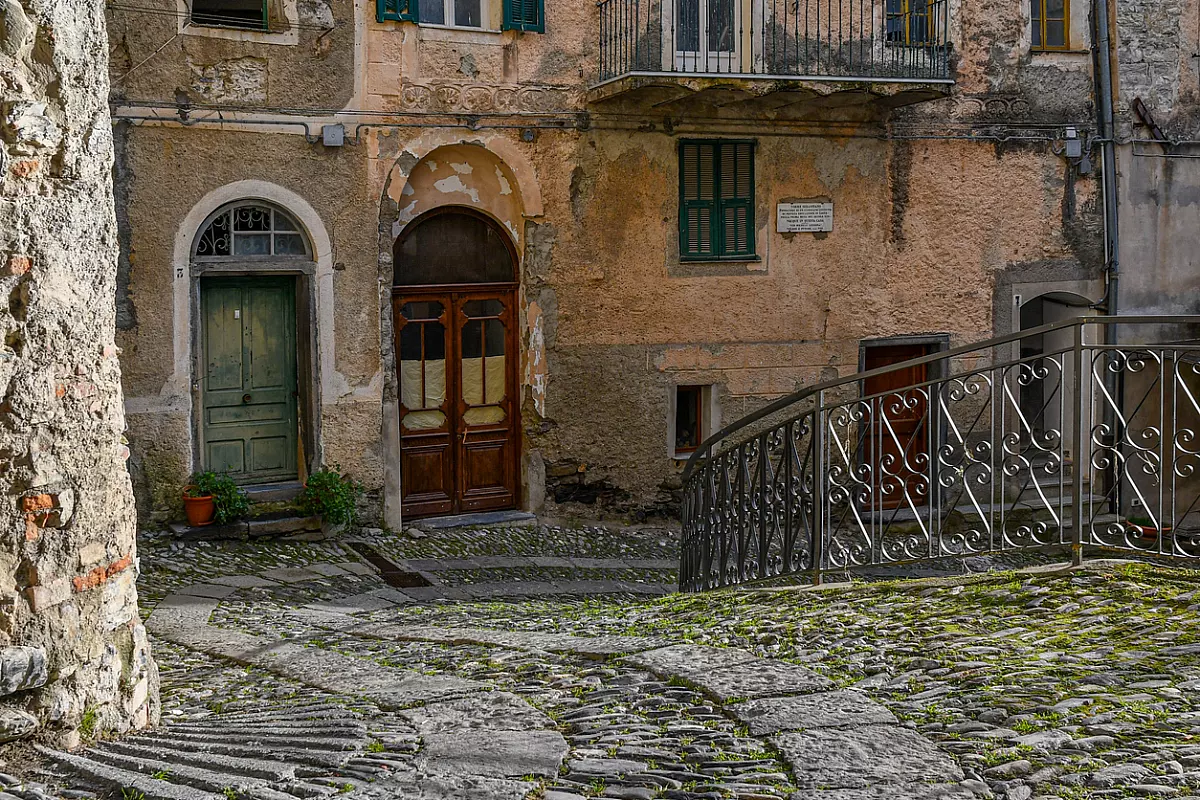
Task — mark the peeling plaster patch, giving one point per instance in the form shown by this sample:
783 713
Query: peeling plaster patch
408 190
505 187
512 229
433 165
316 12
462 169
536 374
407 213
237 79
455 184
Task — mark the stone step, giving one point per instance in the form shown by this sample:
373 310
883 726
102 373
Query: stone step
177 773
323 742
267 770
329 727
282 492
300 712
313 756
121 779
251 528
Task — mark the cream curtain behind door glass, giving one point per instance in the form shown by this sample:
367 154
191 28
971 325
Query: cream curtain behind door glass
435 393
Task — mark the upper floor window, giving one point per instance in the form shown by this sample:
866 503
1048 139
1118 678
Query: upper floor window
716 200
520 15
911 21
249 14
455 13
1050 20
251 230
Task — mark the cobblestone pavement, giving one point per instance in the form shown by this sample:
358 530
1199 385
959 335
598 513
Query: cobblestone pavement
547 668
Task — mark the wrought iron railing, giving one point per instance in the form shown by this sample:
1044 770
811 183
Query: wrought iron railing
1055 437
865 40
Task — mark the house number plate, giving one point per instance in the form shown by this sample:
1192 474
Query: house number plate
804 217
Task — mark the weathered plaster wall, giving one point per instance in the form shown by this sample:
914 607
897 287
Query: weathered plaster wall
1159 198
71 641
332 182
941 210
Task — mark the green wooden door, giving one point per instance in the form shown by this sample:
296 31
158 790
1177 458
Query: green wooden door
249 387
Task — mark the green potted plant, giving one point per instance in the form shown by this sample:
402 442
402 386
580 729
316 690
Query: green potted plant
331 495
213 498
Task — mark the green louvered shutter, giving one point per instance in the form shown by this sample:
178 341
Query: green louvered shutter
735 204
697 200
396 10
525 15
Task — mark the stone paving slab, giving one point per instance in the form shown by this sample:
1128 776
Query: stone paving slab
215 591
837 709
244 581
495 754
911 791
356 568
326 570
761 678
417 786
830 758
176 612
290 575
688 660
521 640
355 604
497 711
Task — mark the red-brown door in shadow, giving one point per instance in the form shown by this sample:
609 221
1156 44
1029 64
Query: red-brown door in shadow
896 447
456 359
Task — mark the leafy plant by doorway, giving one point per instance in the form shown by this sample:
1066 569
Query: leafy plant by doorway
331 495
229 500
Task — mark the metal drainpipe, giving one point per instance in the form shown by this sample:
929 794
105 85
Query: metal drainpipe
1104 109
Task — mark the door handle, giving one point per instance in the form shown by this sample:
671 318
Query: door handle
245 398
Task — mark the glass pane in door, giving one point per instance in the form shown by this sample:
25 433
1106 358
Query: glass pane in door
423 366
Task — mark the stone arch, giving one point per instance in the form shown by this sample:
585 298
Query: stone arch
486 174
177 394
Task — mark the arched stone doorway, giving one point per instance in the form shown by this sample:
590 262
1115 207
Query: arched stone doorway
251 264
454 299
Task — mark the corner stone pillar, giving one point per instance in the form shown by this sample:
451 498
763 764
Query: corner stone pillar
74 659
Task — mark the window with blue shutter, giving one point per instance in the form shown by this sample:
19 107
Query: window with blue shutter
716 200
396 10
525 15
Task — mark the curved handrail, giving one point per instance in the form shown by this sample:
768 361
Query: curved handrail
703 452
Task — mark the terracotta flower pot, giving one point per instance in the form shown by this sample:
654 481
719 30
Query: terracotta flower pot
1149 531
199 510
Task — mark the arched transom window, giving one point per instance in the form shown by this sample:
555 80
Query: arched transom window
253 230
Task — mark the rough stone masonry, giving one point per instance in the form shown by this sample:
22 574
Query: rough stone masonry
74 658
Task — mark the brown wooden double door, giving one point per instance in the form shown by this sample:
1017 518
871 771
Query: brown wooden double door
456 355
897 444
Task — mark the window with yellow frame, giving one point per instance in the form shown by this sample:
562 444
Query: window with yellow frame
910 22
1050 18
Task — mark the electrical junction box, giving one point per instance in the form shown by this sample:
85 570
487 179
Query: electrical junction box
333 135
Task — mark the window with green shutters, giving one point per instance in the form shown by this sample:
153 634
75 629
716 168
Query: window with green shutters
716 200
525 15
519 15
396 10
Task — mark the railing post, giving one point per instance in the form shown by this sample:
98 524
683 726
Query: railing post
1077 452
817 546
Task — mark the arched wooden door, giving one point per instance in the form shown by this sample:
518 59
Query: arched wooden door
454 309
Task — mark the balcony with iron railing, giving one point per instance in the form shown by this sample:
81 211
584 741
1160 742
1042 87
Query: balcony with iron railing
898 50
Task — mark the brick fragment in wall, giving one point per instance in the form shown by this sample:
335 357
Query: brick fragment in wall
22 668
99 575
17 265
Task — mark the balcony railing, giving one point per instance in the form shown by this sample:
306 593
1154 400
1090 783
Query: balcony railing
847 40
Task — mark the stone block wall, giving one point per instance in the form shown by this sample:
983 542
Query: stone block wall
73 652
